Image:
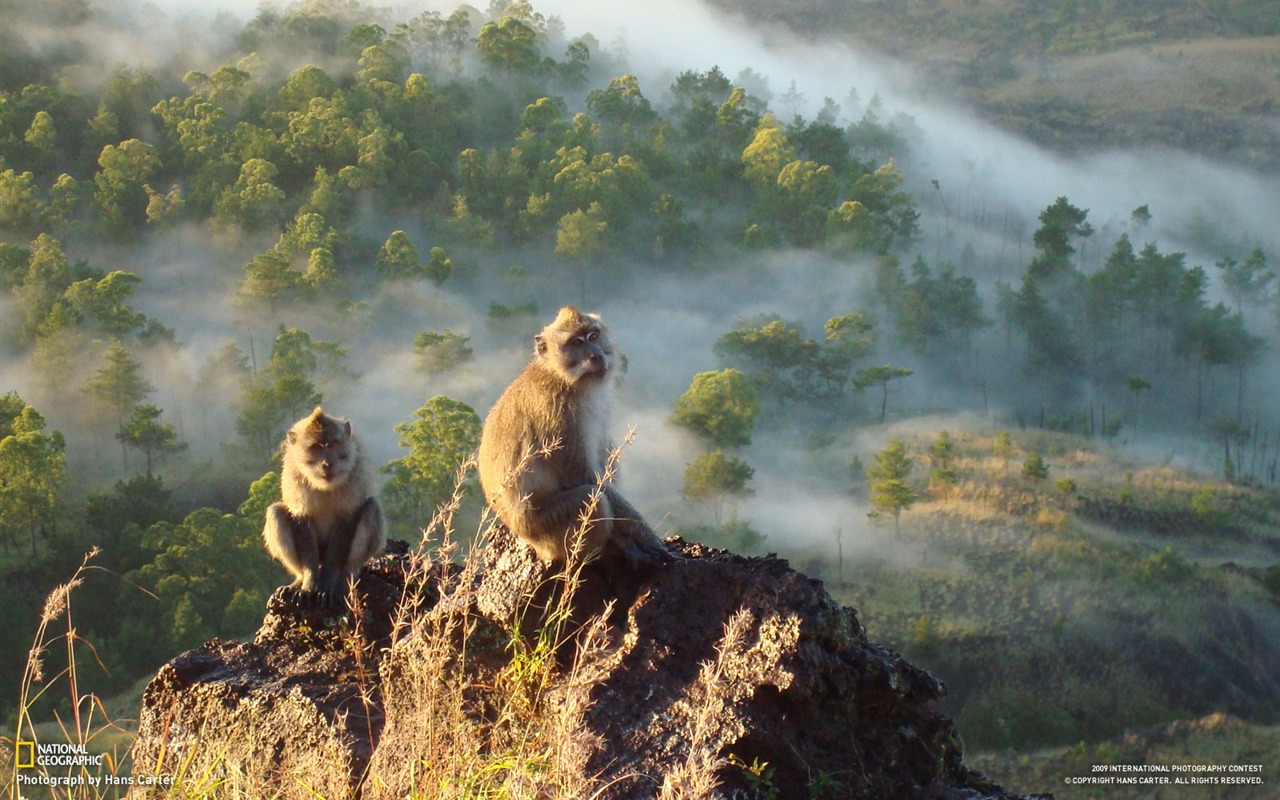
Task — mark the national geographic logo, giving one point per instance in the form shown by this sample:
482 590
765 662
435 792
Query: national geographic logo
37 759
30 755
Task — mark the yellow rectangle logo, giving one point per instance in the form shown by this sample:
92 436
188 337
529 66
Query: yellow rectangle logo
30 761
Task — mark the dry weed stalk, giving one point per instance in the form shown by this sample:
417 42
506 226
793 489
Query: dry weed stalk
695 779
82 780
517 731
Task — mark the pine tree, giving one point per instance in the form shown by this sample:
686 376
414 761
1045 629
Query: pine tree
890 492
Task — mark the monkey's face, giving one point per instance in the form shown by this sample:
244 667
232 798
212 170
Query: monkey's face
585 354
328 462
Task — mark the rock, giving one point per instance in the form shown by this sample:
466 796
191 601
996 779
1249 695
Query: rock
798 701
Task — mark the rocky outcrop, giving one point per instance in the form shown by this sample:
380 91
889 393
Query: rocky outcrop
342 710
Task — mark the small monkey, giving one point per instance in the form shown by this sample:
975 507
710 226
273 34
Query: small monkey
329 522
545 444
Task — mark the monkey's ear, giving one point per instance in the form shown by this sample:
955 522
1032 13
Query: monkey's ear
292 437
317 413
346 427
540 345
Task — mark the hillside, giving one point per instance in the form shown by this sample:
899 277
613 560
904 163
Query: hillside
1104 595
1080 76
328 204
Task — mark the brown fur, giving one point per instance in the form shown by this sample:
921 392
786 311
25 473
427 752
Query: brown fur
545 443
328 522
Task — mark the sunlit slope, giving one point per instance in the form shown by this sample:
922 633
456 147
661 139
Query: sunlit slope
1083 75
1217 740
1071 604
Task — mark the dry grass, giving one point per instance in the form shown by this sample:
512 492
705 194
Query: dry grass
518 729
86 727
1209 73
471 726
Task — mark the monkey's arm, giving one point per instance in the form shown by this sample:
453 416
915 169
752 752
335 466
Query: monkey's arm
292 542
639 543
561 509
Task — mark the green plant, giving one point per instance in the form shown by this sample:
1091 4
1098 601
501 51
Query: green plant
824 784
759 777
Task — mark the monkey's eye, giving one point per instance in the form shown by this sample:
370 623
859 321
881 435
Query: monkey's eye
591 337
576 341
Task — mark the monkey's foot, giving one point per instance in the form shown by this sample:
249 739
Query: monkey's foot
307 599
645 555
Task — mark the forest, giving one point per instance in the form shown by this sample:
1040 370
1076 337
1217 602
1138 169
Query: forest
326 204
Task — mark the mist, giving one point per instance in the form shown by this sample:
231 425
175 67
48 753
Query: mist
990 185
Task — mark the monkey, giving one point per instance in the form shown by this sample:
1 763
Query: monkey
328 522
545 443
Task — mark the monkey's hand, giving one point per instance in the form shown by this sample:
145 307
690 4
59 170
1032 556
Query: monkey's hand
639 544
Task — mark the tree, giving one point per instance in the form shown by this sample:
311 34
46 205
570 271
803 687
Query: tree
674 233
206 571
622 104
11 406
34 466
804 194
1136 386
441 351
847 338
880 376
44 283
443 436
280 391
119 385
269 277
103 301
439 268
64 196
508 44
1003 447
162 207
123 169
1034 468
890 492
929 311
778 359
581 238
20 205
398 257
144 431
719 407
254 200
41 136
1217 336
894 219
1227 430
768 153
1248 282
1060 223
716 477
941 453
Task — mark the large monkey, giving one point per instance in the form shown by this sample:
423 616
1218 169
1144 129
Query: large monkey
329 522
545 444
